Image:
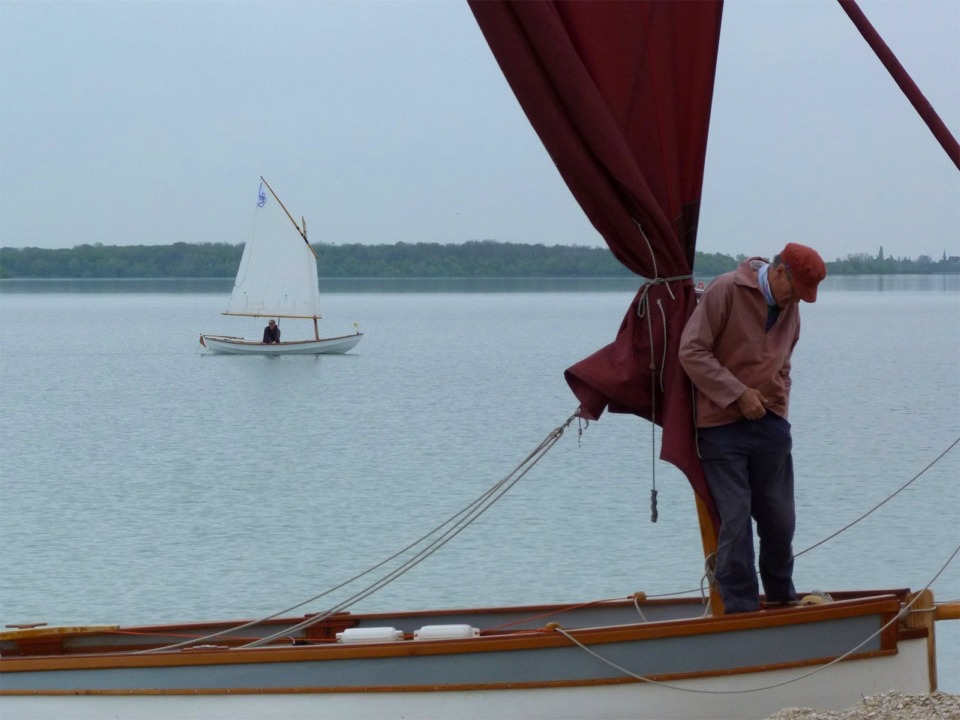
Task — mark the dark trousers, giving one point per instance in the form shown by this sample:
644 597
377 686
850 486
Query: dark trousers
749 469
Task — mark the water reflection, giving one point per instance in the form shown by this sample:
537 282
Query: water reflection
222 286
892 283
117 285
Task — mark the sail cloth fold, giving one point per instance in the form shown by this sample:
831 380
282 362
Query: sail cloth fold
620 95
278 271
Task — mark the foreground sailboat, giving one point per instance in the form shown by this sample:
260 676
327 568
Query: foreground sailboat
277 279
630 658
627 130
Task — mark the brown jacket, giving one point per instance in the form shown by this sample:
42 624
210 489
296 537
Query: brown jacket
725 348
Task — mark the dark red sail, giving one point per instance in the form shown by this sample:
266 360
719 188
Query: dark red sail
620 95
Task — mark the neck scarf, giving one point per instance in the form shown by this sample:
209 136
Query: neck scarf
764 282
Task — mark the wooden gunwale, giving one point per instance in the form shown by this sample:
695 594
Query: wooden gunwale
885 606
325 630
350 619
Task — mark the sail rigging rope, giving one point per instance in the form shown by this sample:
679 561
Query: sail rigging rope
896 618
708 571
884 501
643 309
455 524
458 522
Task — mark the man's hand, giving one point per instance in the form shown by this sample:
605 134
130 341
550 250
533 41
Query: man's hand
752 404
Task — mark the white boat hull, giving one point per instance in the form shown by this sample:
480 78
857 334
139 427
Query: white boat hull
674 664
721 698
240 346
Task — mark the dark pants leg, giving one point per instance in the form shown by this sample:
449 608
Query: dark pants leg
771 476
749 469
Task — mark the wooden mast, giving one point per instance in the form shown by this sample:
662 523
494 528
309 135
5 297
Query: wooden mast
709 534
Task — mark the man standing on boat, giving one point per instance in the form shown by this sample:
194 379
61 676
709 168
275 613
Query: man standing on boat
736 349
271 333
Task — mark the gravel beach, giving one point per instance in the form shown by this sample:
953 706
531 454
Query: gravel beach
888 706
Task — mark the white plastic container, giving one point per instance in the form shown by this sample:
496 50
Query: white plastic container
446 632
369 635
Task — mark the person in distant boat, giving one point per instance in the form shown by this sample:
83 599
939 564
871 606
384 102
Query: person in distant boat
271 333
736 349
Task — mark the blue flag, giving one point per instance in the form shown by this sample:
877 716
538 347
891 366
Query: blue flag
261 197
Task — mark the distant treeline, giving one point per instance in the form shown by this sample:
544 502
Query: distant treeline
486 258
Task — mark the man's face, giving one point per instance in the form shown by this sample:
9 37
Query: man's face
784 290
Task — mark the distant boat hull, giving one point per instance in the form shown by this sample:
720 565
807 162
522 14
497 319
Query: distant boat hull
520 665
239 346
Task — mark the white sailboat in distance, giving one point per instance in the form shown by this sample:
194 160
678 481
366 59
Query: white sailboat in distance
277 279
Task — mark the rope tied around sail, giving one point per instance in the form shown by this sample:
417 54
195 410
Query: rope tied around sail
644 312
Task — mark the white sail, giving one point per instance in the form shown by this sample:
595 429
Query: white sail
278 270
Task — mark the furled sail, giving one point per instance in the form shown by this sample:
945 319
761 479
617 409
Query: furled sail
278 270
620 95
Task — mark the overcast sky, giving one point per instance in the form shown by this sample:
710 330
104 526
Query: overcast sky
149 123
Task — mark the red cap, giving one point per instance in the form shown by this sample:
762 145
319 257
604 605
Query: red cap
806 267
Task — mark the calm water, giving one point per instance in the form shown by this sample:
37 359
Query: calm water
143 481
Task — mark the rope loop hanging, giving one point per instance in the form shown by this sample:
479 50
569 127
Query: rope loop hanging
644 311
